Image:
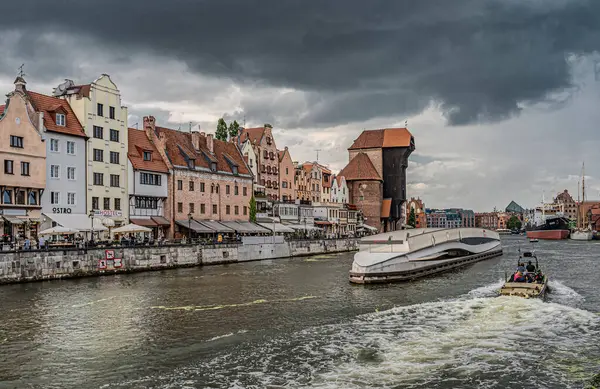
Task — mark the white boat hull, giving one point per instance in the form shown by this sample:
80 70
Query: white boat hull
410 254
582 235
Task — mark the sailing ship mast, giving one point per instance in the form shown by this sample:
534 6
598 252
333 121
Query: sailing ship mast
583 225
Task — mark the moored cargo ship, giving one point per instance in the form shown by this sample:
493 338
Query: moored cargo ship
553 228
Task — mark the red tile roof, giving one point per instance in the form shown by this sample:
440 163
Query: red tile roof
1 109
360 168
50 105
386 205
179 143
254 134
385 138
82 90
138 143
280 154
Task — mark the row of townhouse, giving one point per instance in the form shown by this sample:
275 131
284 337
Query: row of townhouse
70 159
449 218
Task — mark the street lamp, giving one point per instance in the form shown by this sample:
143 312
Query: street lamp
91 215
305 232
190 226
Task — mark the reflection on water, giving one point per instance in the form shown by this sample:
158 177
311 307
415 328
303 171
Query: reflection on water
299 323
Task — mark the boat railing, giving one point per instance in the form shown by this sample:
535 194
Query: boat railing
423 240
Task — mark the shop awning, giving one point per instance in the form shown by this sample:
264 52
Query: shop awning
216 226
161 221
301 227
276 227
195 226
323 223
245 227
13 219
80 222
143 222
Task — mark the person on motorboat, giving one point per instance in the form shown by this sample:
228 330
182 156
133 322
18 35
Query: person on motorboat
521 267
519 277
530 267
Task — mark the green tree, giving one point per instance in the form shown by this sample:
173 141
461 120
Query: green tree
412 218
234 128
221 132
252 209
513 223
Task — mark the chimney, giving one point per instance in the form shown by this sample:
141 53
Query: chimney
20 85
209 143
149 126
40 122
196 139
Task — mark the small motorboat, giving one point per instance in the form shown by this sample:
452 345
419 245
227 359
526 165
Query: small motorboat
534 240
528 284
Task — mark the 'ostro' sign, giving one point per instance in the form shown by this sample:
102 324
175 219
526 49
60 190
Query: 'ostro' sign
61 210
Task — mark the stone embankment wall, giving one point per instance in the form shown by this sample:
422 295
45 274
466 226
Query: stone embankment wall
37 265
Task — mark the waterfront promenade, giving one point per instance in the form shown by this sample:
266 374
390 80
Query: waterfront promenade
39 265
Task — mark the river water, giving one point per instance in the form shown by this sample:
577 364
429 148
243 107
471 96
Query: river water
298 323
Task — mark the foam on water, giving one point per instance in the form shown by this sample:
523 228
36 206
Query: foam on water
473 341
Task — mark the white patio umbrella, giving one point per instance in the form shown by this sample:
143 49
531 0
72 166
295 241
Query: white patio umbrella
131 228
58 230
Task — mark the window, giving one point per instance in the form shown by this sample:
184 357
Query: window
60 119
95 202
245 210
70 173
236 190
228 209
191 164
179 185
215 209
287 171
16 141
111 112
114 157
98 132
202 187
146 203
24 168
284 184
7 196
98 155
147 156
100 109
217 188
70 147
106 203
98 179
54 171
32 198
236 210
150 179
213 166
245 191
227 189
234 170
191 207
114 135
180 207
117 204
114 180
54 145
191 186
54 197
202 209
20 197
70 198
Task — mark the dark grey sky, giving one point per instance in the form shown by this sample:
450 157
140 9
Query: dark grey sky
328 69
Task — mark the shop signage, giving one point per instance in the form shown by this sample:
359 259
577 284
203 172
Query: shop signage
106 213
61 210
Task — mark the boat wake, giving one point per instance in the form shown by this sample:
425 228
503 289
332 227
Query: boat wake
471 342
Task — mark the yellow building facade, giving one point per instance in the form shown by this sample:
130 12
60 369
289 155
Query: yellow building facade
98 107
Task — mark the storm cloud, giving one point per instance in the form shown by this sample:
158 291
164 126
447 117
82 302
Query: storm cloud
500 94
478 60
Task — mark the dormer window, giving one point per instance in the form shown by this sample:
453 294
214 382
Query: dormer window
60 119
191 164
234 170
147 156
213 166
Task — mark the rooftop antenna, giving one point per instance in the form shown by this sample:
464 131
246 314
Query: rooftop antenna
21 71
190 127
136 126
406 123
318 154
244 121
